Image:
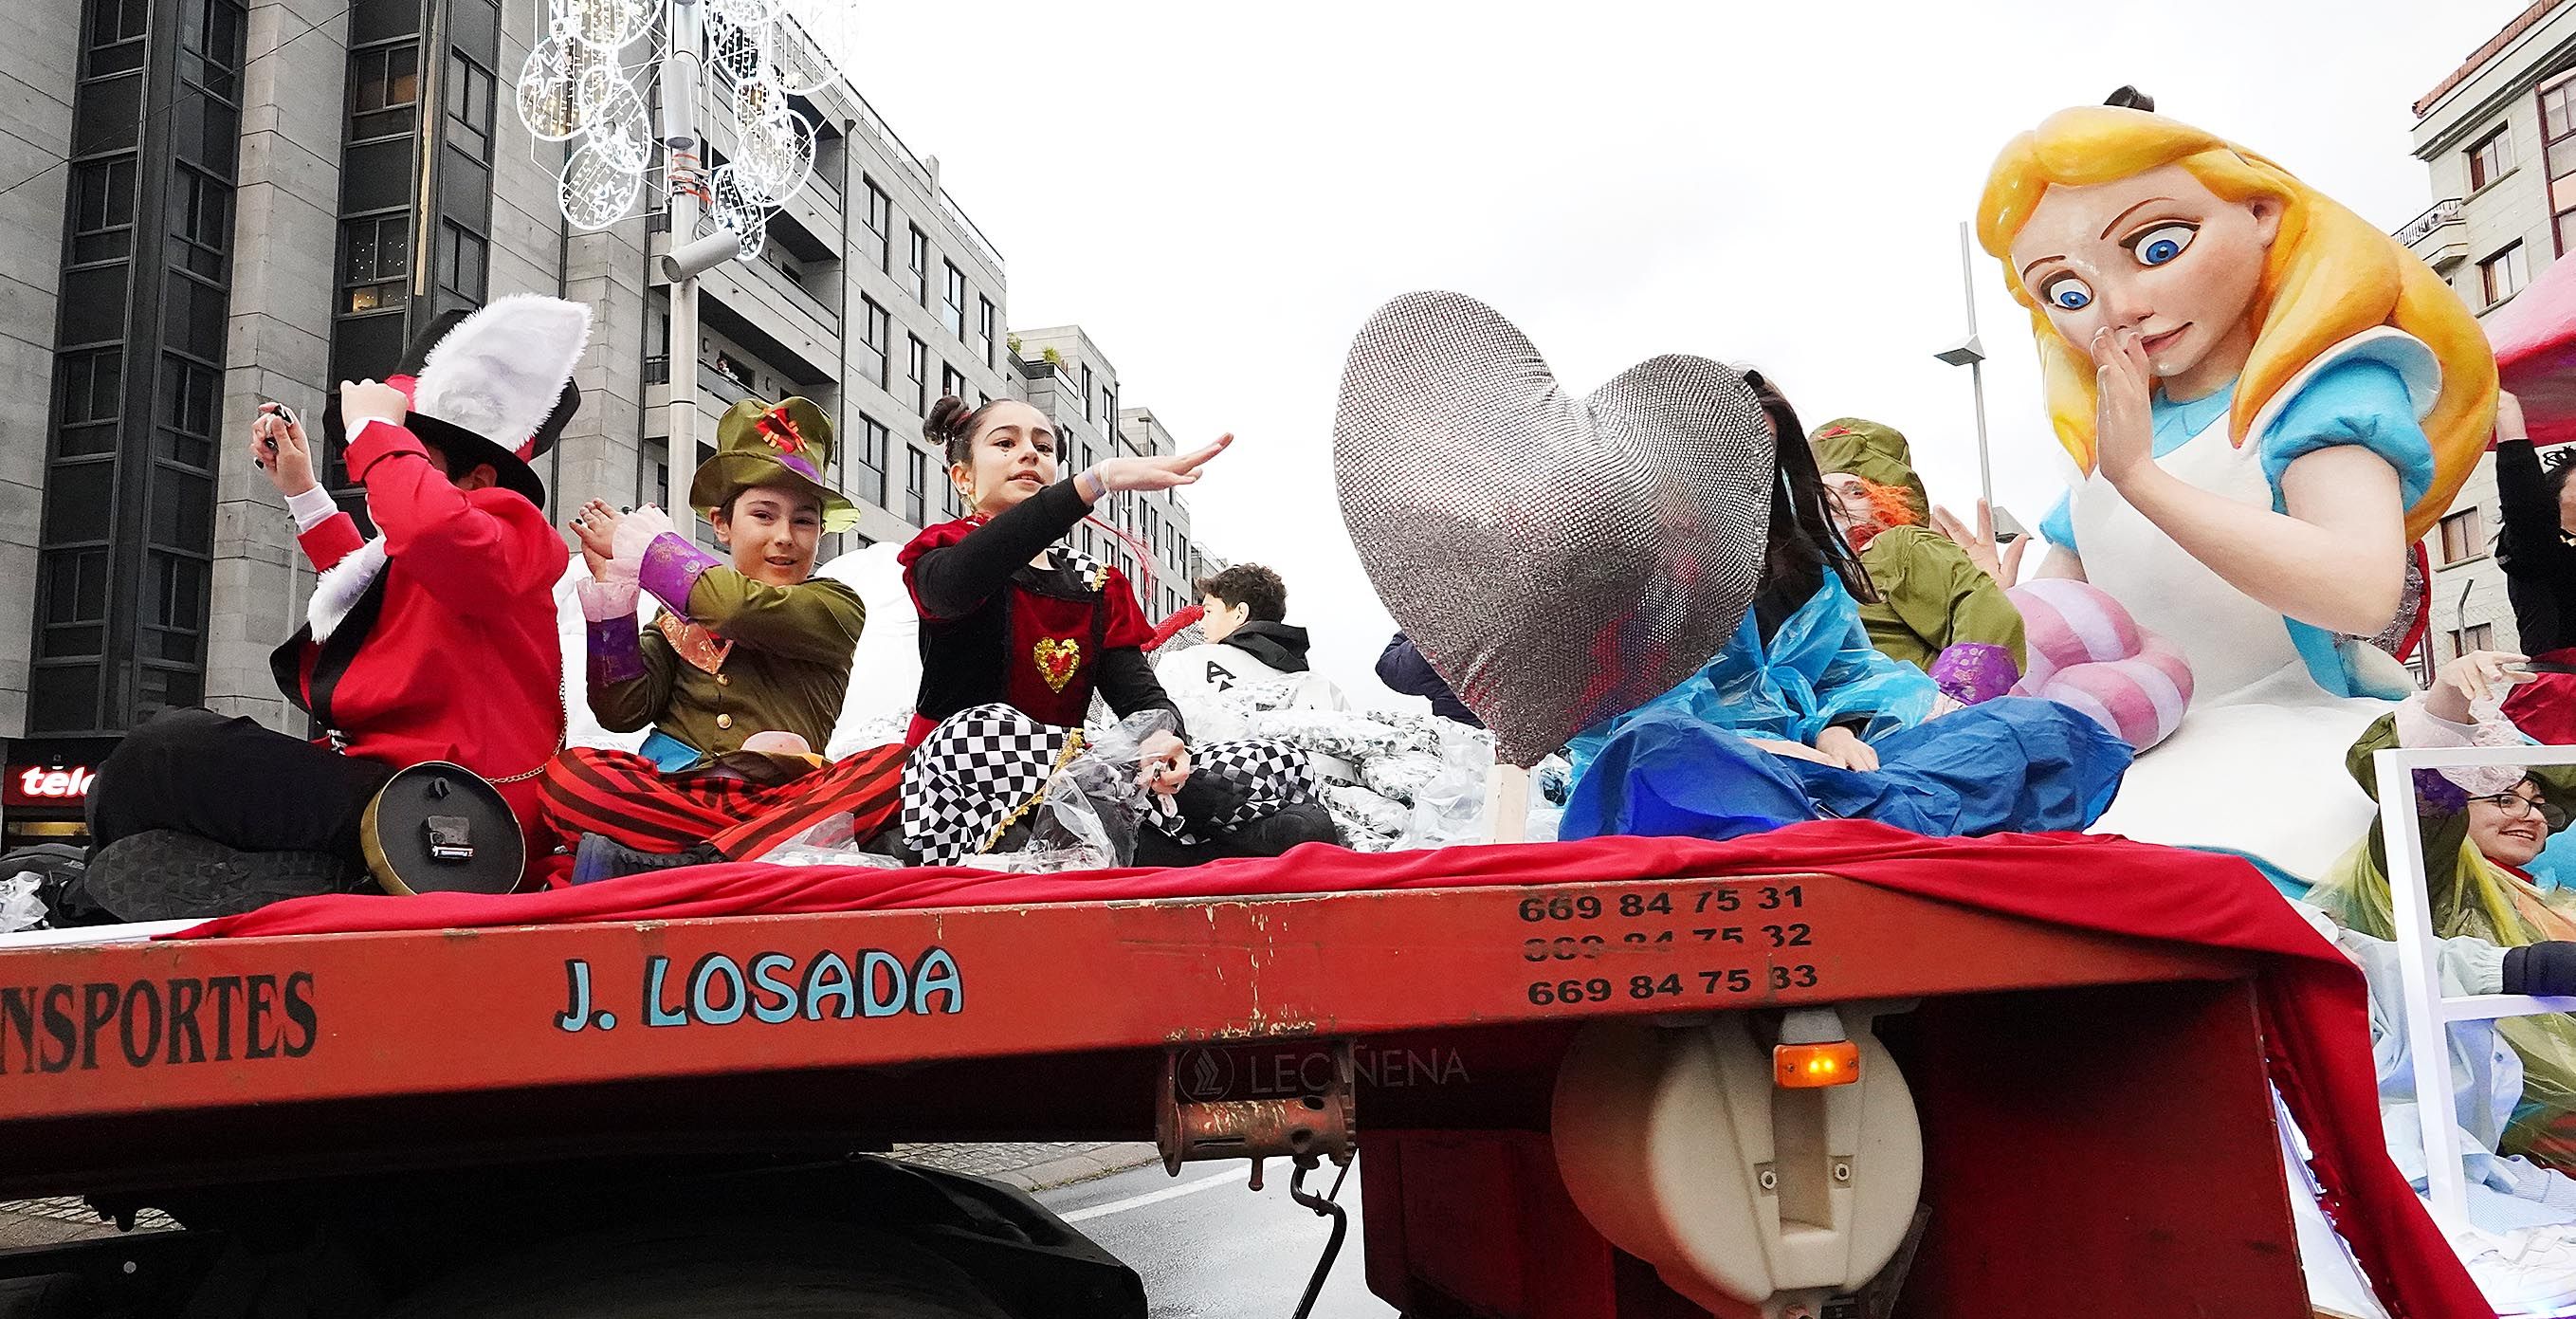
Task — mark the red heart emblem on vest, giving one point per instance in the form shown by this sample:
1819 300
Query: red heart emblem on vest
1058 659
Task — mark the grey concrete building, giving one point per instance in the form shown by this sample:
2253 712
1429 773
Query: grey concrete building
205 204
2498 138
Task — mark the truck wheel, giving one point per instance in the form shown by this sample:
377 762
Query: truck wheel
788 1270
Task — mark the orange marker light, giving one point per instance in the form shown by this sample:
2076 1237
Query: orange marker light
1815 1066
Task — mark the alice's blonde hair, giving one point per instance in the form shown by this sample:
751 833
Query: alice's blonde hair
2329 276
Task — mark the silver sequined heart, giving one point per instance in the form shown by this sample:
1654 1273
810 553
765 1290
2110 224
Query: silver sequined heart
1559 558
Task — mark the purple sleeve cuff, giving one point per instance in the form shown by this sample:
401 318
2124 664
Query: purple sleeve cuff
672 566
1973 672
616 651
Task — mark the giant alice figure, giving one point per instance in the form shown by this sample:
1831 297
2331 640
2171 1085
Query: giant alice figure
2268 400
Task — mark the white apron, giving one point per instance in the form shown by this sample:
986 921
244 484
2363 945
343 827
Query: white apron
2257 765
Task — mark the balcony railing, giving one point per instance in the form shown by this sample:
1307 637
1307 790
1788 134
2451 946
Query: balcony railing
2445 211
657 370
723 386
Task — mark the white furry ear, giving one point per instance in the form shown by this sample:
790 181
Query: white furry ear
500 371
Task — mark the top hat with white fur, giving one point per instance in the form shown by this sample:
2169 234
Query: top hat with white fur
492 386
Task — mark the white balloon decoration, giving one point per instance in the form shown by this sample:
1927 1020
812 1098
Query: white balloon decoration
577 88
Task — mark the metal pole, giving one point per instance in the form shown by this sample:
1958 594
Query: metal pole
679 131
1977 369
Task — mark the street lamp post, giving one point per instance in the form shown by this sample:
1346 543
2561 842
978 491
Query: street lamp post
1971 354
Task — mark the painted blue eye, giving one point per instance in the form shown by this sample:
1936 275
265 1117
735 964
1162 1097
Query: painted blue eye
2067 293
2163 243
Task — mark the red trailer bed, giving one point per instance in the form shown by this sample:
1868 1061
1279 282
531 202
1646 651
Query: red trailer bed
2096 1120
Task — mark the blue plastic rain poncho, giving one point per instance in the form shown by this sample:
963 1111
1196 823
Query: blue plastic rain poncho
1682 765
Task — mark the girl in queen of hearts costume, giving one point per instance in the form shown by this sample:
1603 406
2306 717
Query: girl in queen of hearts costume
2267 400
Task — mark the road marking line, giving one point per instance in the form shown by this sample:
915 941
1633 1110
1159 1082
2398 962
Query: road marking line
1152 1197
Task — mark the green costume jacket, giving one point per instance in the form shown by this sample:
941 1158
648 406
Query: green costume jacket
759 658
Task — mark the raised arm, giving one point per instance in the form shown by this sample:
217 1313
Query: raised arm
957 579
2530 516
473 555
2333 558
282 454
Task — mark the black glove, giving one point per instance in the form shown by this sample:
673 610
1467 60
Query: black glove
2541 968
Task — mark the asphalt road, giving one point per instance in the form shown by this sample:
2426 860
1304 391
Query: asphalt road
1209 1248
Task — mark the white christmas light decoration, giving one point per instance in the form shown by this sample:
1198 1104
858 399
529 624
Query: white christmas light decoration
595 193
611 25
578 87
737 210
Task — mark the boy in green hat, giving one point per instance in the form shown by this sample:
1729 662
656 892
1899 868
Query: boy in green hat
741 677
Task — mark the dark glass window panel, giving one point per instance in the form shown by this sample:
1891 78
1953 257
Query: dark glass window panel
916 487
366 347
75 586
92 384
376 177
376 20
178 594
188 450
206 133
183 510
63 699
159 689
191 395
192 316
378 248
465 189
110 111
402 76
78 502
74 641
114 245
103 195
380 124
113 21
462 259
200 209
79 441
475 26
94 305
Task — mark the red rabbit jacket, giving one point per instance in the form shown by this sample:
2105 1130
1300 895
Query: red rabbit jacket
439 640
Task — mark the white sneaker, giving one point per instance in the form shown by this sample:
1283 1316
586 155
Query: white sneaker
2529 1272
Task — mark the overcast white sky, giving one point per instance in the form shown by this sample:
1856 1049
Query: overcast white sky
1221 193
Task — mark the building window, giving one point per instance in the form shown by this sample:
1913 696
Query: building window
2490 158
93 385
1086 394
881 224
920 266
2463 536
2504 274
920 365
384 85
209 46
952 308
2480 636
876 331
469 107
103 211
2558 156
870 459
916 486
986 319
376 263
463 258
952 382
201 214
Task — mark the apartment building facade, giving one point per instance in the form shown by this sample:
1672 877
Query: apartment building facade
2498 139
219 203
